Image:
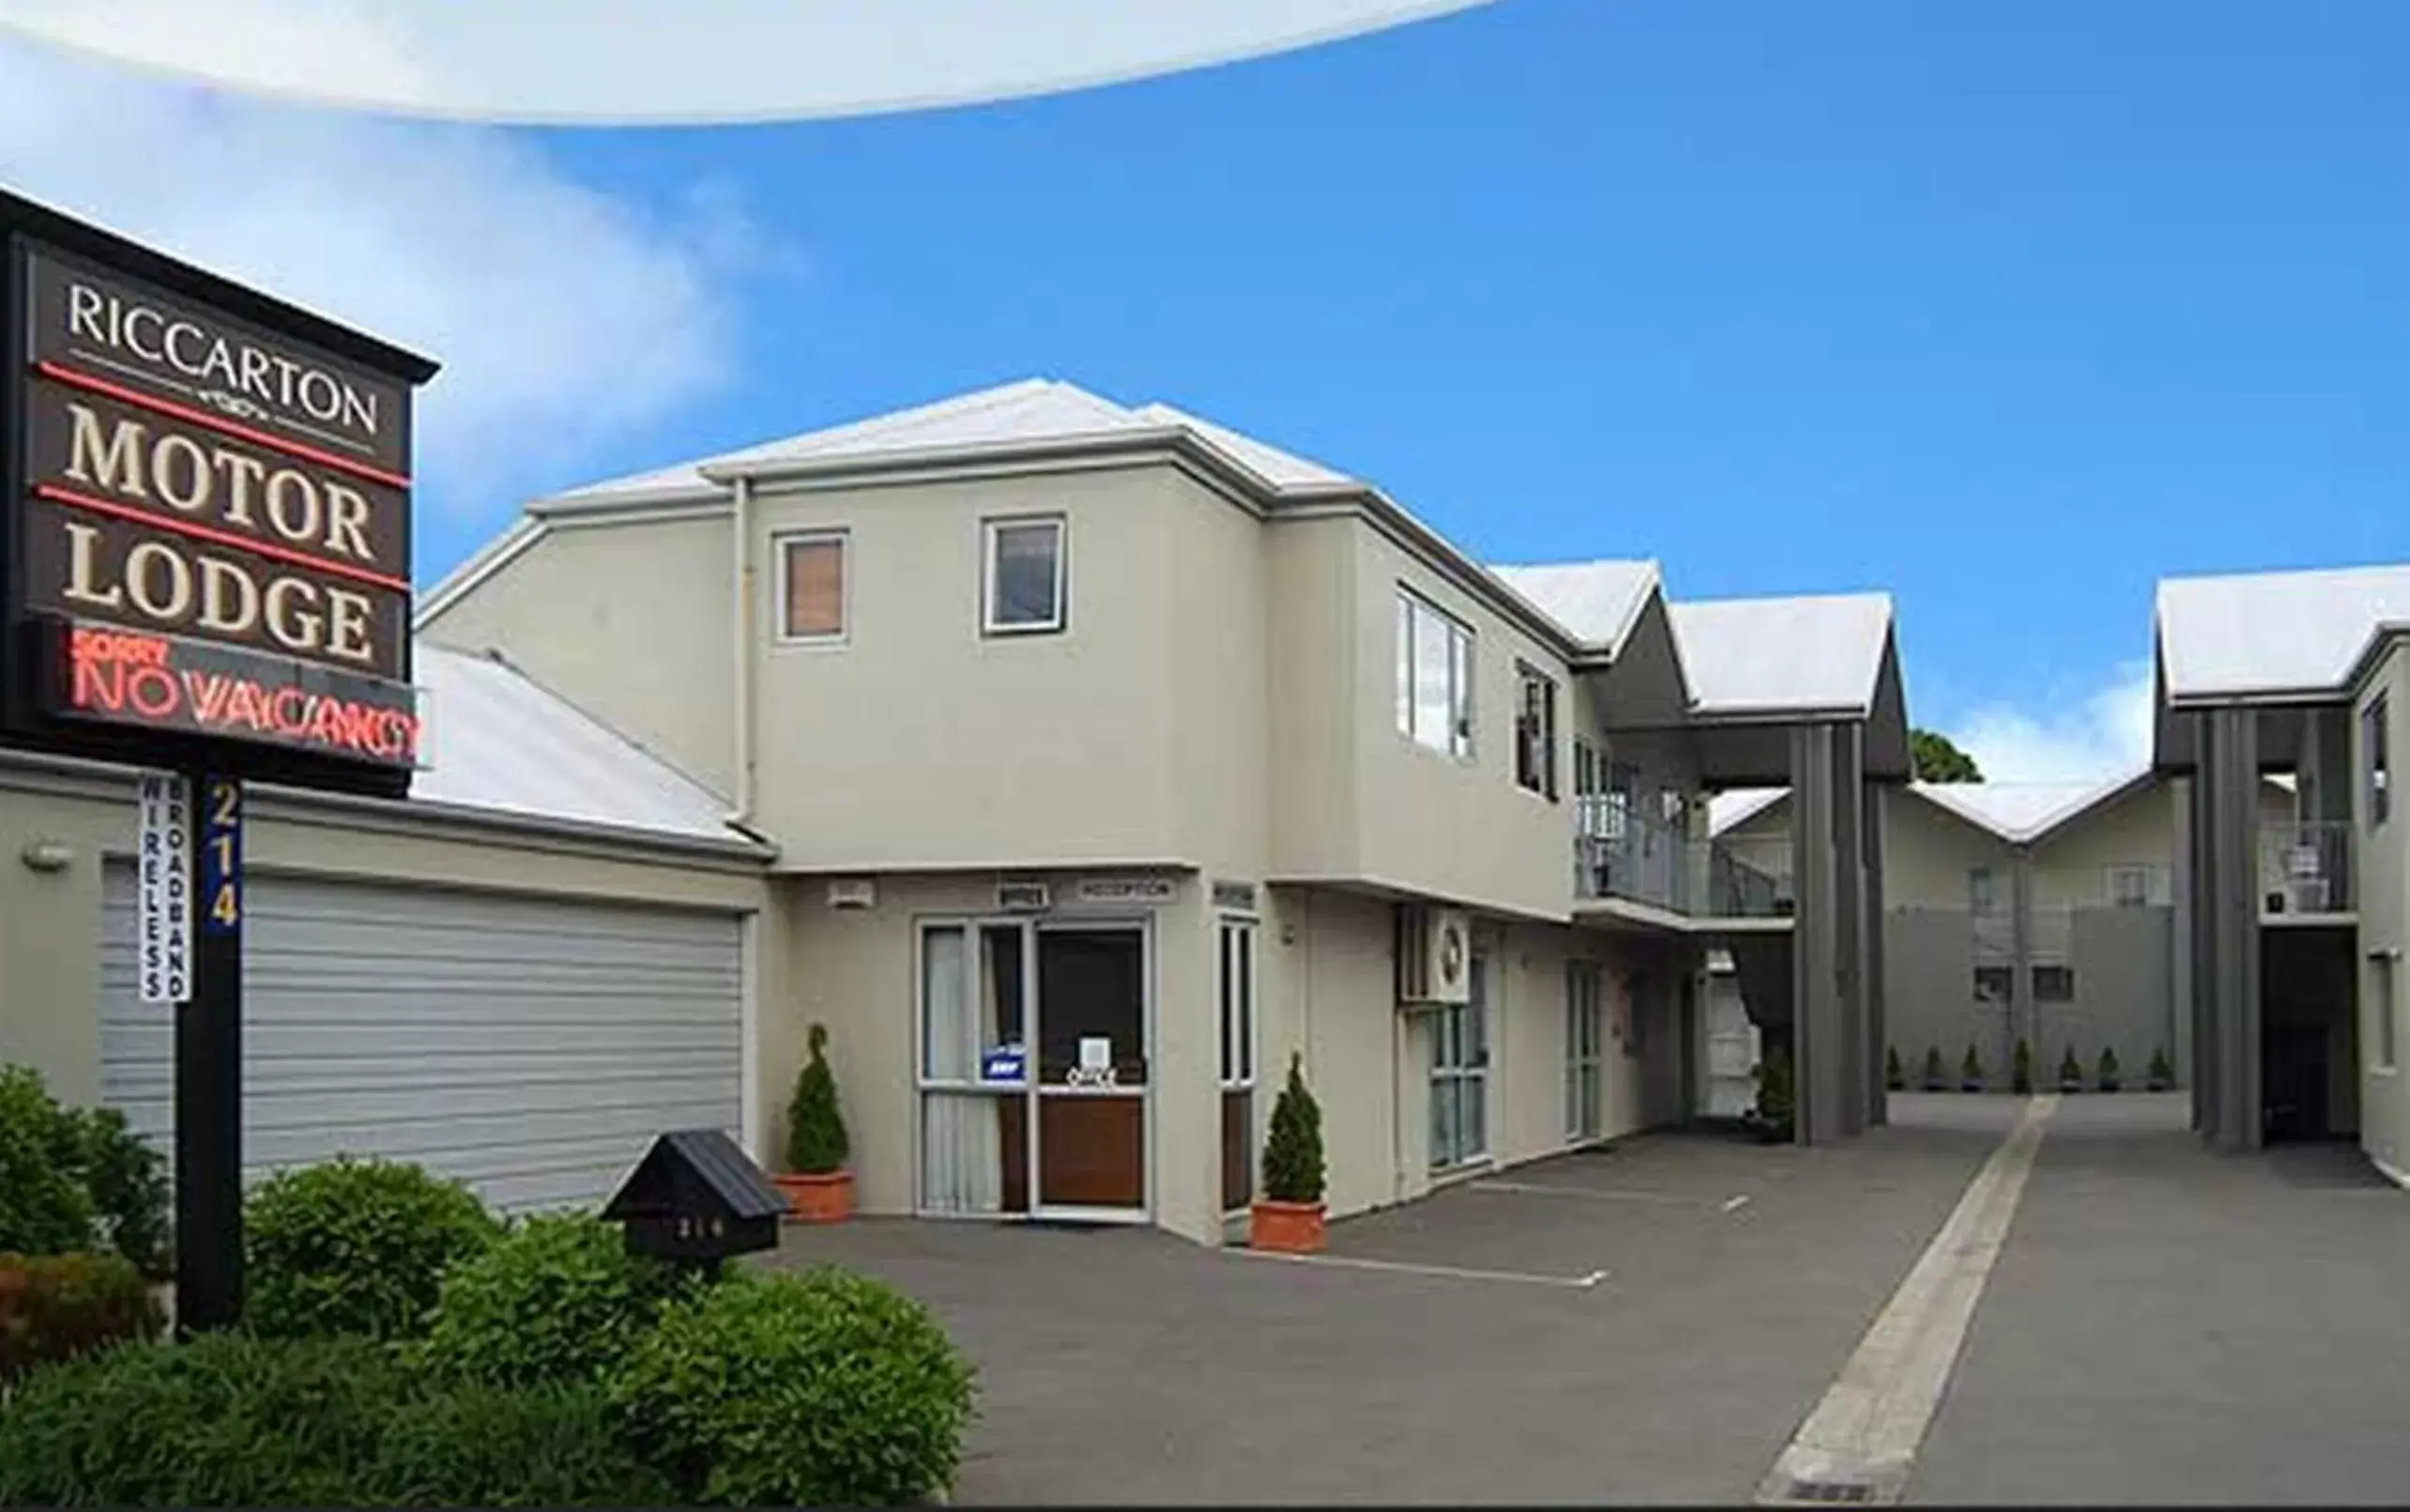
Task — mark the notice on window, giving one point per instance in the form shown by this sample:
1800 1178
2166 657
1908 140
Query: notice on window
1095 1052
163 890
1003 1062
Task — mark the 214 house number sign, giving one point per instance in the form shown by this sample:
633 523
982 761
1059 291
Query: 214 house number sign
216 520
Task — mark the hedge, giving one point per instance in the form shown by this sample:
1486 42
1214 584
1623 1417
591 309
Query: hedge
355 1246
557 1298
813 1389
76 1179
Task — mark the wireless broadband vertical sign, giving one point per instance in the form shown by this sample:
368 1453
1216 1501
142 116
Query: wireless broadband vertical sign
204 574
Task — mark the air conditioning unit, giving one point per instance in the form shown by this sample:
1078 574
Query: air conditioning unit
1434 954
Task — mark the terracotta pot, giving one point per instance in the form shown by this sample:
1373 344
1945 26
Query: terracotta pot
1293 1228
818 1199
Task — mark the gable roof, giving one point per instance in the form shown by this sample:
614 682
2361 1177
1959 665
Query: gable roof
2019 813
1599 601
1818 654
501 743
1737 806
2274 634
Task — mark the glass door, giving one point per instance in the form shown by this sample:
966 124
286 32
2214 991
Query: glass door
1093 1070
1582 1035
1460 1073
977 986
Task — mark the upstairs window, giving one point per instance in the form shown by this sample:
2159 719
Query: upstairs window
1434 677
2130 887
1026 583
811 587
1536 732
2374 744
1983 891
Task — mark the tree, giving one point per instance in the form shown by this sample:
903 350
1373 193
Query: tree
1293 1151
1936 760
815 1132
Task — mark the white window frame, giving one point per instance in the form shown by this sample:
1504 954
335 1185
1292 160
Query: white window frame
2137 897
1463 649
990 537
2386 999
1243 1004
2066 970
842 536
1540 745
1585 1029
1463 1078
1983 891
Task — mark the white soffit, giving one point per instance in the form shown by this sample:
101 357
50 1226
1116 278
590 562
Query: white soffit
1731 809
2270 633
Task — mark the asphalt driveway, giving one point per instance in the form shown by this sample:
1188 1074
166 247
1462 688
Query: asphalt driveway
1127 1365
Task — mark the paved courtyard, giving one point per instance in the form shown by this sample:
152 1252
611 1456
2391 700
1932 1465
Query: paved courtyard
1654 1322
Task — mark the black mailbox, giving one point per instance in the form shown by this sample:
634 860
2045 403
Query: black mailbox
696 1200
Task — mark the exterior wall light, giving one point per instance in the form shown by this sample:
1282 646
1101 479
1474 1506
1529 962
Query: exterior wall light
46 855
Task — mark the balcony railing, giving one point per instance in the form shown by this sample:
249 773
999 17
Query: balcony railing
2305 866
1623 853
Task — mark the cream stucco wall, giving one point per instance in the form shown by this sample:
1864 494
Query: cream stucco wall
629 621
2382 878
1928 855
2071 865
49 923
923 742
1427 823
1315 716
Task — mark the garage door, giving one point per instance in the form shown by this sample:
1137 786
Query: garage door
528 1046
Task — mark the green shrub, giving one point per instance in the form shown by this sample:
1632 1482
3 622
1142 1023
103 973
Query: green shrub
45 1209
816 1130
128 1182
814 1389
1292 1148
1895 1076
226 1420
1936 1076
55 1307
2021 1069
1971 1070
557 1298
2111 1077
2070 1072
355 1246
472 1444
2162 1075
1778 1106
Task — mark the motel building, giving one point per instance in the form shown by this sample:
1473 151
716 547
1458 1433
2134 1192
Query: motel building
1076 765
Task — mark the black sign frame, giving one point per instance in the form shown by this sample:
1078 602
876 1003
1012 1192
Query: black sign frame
30 640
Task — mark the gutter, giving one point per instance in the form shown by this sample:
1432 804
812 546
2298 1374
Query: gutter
740 603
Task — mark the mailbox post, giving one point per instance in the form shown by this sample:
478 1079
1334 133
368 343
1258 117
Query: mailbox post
696 1200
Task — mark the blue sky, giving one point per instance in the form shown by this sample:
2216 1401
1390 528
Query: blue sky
2008 309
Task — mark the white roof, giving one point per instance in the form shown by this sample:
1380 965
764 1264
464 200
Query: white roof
1032 410
2275 633
1599 600
500 743
2021 811
1733 808
1793 654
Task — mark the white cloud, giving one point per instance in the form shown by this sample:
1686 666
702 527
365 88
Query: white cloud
562 315
2090 738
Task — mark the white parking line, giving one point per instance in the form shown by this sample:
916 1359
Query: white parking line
1602 1193
1734 1204
1457 1273
1862 1439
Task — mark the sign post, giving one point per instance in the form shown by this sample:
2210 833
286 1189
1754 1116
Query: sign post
209 1073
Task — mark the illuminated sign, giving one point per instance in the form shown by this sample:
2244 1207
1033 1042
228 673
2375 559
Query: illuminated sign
208 521
164 682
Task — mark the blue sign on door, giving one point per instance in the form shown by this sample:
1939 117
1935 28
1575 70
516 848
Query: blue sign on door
1005 1062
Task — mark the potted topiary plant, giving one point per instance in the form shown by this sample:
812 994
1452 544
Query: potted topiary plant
1289 1215
2021 1069
1971 1070
2109 1079
1895 1076
1936 1075
2162 1075
1774 1116
2070 1072
819 1187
